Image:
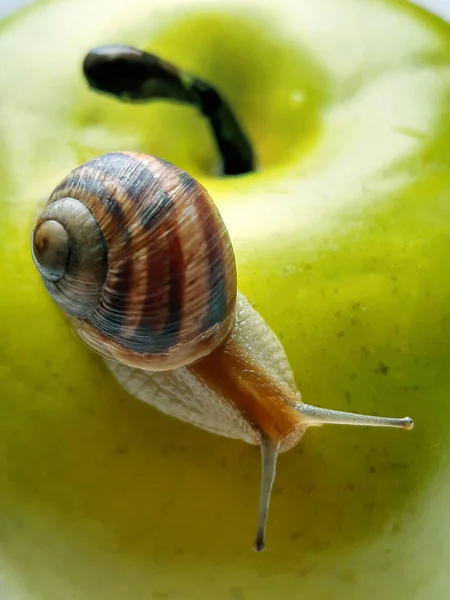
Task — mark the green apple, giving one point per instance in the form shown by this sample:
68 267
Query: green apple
341 239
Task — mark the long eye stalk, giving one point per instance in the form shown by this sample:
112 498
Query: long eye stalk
310 416
132 75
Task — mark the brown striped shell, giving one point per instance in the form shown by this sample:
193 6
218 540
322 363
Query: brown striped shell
134 250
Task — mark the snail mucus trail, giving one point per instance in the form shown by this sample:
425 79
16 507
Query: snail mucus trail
135 252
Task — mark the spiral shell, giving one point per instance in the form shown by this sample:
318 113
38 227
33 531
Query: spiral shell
135 252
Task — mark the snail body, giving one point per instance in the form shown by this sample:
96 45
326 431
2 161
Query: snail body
136 254
196 393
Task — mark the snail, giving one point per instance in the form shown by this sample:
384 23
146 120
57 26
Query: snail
135 252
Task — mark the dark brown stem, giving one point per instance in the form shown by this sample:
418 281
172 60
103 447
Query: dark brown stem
132 75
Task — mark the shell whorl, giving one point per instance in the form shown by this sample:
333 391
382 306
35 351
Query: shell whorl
135 251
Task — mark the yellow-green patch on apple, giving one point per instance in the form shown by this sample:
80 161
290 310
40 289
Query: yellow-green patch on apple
341 240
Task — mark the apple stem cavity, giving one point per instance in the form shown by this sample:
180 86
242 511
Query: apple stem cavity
322 416
133 75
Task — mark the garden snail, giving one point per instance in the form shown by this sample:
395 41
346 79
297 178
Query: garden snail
135 252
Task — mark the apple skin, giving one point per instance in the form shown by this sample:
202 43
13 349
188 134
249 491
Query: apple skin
342 239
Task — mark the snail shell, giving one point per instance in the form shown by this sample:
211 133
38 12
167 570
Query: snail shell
135 251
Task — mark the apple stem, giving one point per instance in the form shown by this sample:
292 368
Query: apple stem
320 416
269 456
133 75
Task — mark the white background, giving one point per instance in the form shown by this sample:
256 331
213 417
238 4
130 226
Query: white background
440 7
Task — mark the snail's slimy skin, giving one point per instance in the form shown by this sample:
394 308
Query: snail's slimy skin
194 395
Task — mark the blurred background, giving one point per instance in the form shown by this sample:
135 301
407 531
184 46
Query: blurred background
440 7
